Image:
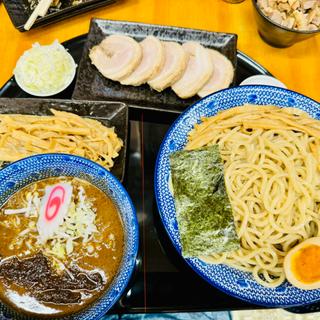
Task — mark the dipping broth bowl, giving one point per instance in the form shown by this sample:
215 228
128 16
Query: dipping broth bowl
24 172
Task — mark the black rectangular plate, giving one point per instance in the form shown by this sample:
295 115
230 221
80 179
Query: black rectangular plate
92 85
110 114
20 11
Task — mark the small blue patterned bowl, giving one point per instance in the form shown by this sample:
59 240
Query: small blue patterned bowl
23 172
234 282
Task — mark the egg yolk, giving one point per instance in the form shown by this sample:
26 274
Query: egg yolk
305 264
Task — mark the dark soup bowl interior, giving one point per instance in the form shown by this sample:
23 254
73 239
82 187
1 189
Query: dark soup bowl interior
277 35
48 278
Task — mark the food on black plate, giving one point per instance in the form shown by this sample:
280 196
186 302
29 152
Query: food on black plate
56 4
116 57
63 132
189 69
151 61
222 75
198 70
174 64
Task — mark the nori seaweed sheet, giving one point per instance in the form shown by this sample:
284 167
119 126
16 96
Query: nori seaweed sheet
204 212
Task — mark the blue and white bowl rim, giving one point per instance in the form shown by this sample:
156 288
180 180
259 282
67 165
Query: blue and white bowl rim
252 89
83 314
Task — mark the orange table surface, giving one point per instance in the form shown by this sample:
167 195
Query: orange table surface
298 66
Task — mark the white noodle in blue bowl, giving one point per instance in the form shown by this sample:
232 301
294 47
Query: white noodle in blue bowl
235 281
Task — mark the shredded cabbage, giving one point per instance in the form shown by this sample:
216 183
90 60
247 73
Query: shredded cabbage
45 70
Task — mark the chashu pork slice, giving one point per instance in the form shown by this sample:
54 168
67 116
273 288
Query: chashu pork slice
222 75
116 56
151 62
175 62
198 71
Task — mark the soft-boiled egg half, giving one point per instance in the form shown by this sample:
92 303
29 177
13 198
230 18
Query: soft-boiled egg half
302 264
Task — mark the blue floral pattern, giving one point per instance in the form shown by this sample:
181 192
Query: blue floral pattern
234 282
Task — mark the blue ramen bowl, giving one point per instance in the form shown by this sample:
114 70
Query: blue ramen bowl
229 280
28 170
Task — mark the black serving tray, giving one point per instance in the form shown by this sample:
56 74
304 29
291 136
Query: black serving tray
93 85
111 114
162 281
20 11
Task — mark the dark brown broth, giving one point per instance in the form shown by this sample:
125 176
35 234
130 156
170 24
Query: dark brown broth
107 260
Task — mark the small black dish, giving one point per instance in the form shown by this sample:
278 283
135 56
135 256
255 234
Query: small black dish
91 84
19 11
276 35
110 114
